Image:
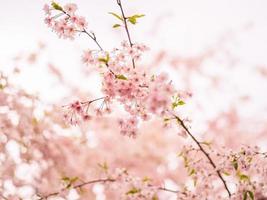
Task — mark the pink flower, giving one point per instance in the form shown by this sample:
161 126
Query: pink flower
81 23
89 58
70 8
70 32
48 21
46 9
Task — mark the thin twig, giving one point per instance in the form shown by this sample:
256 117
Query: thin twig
91 101
204 152
98 181
77 186
92 36
168 190
126 27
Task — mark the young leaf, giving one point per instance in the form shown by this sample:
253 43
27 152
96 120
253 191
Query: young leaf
155 198
121 77
56 6
116 15
133 191
146 179
235 164
138 16
177 102
104 60
243 177
69 181
166 119
245 195
193 171
181 102
116 25
248 193
226 173
251 195
132 20
103 166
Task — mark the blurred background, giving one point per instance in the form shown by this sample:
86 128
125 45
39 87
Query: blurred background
216 49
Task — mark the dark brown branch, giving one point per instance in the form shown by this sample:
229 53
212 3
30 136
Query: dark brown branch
204 152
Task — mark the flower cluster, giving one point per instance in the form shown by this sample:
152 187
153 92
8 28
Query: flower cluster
245 168
133 188
65 23
78 111
144 95
140 94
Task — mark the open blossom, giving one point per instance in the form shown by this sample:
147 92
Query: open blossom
64 21
70 8
142 95
46 9
135 51
128 127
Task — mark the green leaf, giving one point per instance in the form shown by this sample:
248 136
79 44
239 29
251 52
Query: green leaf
65 178
195 182
69 181
132 20
116 25
251 195
193 171
133 191
166 119
146 179
243 177
180 103
226 173
104 60
56 6
103 166
245 195
235 164
116 15
155 198
248 193
1 86
208 144
177 103
121 77
138 16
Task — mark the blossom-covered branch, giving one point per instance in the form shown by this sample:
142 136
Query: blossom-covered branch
78 186
181 122
144 95
134 187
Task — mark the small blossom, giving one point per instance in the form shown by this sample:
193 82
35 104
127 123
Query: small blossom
70 8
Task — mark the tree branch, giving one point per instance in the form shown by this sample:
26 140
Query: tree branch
126 27
204 152
97 181
77 186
